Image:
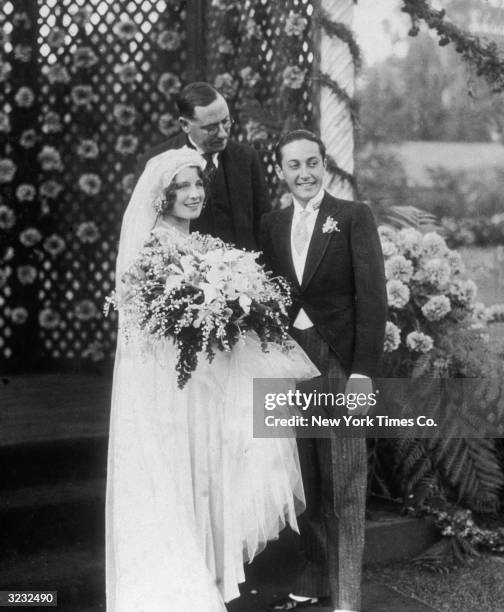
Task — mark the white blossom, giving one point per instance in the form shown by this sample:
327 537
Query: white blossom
419 342
436 308
392 337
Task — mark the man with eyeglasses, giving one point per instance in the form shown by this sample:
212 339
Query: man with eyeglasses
237 193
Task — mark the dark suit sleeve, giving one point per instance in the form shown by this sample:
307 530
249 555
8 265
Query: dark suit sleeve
264 243
260 194
370 291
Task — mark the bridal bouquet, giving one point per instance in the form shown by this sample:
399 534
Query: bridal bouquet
205 295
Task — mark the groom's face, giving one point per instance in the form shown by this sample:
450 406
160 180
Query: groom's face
209 128
302 168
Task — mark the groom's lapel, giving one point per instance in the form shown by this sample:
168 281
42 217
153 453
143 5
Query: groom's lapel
318 243
283 233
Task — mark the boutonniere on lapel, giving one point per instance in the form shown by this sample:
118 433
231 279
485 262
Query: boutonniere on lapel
330 226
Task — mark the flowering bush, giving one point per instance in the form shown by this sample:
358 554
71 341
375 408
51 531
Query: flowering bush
204 294
475 230
429 300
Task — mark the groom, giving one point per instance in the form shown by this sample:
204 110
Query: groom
330 252
236 191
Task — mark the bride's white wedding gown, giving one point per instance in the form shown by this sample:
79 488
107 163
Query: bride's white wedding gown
191 494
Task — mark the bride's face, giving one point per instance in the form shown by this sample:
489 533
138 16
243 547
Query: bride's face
189 194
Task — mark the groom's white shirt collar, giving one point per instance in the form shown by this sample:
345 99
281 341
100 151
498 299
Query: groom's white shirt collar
215 156
313 204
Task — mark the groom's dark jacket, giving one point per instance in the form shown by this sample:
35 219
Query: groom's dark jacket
238 196
343 286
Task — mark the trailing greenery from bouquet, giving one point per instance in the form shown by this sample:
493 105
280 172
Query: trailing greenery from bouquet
204 295
437 330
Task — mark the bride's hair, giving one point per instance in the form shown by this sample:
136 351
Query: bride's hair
165 203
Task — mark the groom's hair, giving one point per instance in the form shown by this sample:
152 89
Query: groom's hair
292 136
195 94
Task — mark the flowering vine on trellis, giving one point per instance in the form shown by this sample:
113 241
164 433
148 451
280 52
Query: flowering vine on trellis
271 40
71 128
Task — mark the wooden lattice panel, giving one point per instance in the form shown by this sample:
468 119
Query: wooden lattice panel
251 51
104 76
85 87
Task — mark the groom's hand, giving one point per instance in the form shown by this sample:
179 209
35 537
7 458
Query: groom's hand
361 387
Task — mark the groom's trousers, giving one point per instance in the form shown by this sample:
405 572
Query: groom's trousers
334 470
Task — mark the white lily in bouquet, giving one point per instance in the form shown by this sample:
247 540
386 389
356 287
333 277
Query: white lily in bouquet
203 294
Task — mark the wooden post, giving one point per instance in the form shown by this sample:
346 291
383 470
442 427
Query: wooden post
336 126
196 40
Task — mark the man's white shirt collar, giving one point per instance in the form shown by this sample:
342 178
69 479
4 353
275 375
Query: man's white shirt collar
215 156
315 201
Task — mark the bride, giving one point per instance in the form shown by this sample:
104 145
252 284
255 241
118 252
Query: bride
191 494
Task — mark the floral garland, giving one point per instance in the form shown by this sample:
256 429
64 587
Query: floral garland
483 55
462 536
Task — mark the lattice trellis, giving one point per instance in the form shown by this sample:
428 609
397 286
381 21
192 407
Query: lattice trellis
85 87
251 45
102 94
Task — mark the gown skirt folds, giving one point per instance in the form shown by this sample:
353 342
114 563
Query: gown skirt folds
191 494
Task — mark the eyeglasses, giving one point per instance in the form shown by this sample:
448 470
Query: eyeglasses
213 129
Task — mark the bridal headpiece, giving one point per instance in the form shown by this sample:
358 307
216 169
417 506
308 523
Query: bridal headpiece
164 167
140 215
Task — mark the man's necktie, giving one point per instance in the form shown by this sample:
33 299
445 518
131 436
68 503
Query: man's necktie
210 169
301 234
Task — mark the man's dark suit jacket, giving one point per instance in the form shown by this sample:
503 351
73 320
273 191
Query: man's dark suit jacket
238 196
343 288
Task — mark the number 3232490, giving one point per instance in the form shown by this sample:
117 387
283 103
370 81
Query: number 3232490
28 598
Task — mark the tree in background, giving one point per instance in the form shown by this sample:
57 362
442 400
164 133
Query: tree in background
429 94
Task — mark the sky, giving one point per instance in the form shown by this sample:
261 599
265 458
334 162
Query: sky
373 31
